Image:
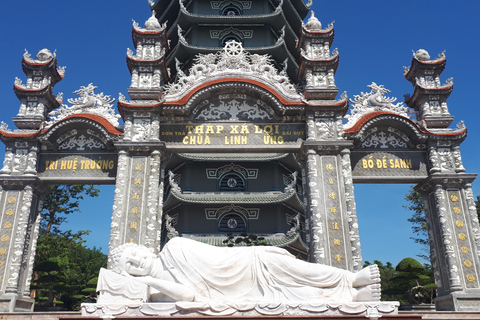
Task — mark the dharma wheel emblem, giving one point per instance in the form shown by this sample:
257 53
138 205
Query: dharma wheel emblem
233 48
232 183
232 223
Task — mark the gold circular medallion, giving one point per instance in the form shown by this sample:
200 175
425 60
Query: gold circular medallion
9 212
470 278
4 238
12 200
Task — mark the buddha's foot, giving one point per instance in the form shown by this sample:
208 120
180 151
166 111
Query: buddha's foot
366 276
371 292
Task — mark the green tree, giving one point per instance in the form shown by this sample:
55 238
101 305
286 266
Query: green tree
61 201
75 264
413 283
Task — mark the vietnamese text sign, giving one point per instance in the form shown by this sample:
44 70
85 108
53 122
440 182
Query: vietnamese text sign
375 165
228 134
81 165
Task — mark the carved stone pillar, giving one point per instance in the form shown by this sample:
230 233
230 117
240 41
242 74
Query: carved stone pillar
138 195
20 204
454 237
332 223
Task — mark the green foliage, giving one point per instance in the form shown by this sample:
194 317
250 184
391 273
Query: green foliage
409 282
72 267
414 281
244 239
62 201
63 265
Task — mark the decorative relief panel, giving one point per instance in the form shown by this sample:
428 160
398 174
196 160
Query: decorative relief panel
386 138
218 172
135 206
215 213
334 215
233 109
218 5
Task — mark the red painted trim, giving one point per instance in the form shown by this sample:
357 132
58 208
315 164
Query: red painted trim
360 123
185 99
98 119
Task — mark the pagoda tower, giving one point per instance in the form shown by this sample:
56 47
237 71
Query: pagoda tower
262 26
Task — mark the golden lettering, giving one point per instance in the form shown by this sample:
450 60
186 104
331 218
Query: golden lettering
258 129
7 225
189 129
135 210
336 242
338 258
335 225
329 167
464 249
209 129
268 129
138 167
467 263
454 198
11 200
470 278
133 225
138 181
333 210
219 129
462 236
2 251
244 129
459 223
136 196
331 195
4 238
234 129
131 241
9 212
198 129
457 210
330 181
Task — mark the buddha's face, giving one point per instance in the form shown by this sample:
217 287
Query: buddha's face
137 261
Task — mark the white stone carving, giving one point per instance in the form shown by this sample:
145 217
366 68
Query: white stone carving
372 101
190 271
81 143
89 102
383 140
232 61
233 109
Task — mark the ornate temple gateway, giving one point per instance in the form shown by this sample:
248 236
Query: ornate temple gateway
234 125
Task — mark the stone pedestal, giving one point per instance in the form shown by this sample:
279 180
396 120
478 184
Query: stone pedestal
15 303
458 301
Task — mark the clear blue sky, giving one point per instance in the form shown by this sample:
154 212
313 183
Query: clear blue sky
375 39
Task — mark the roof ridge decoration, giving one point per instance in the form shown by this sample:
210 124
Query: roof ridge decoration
43 57
88 102
232 61
422 56
151 24
373 101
